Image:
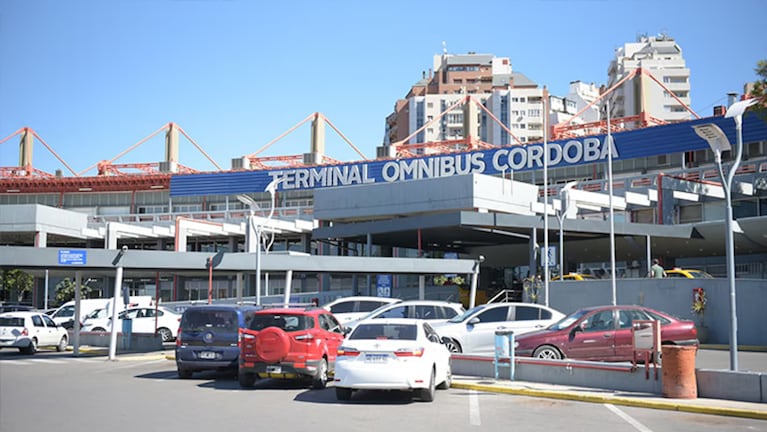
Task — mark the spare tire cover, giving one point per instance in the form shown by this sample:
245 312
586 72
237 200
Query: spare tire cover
272 344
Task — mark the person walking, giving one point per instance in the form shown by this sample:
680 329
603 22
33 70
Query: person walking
656 271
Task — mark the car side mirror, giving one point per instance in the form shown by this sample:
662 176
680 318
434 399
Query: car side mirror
473 321
346 331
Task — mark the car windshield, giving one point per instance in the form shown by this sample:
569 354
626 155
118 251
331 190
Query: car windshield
466 314
699 274
11 322
375 311
385 331
199 320
286 322
568 320
98 313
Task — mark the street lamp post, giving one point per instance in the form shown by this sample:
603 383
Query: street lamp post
719 143
253 205
564 207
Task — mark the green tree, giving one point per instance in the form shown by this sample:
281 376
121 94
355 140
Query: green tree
760 89
15 281
65 291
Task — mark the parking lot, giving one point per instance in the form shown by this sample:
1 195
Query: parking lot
56 391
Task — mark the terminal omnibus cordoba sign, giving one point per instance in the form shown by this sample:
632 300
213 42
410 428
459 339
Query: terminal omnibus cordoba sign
653 141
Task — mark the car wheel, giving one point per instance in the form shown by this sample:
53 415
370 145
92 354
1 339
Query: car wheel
99 329
165 334
427 394
184 373
343 393
320 379
444 385
62 344
247 379
452 345
32 347
547 352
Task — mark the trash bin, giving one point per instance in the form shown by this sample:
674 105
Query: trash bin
678 364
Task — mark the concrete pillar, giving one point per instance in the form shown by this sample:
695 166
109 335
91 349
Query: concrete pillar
318 134
171 147
470 119
25 147
41 239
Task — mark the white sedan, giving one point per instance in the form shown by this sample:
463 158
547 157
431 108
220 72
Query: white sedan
474 331
143 320
392 354
29 330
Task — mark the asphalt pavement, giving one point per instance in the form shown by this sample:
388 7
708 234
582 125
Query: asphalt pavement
720 407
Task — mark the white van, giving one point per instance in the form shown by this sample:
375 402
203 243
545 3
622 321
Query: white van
64 315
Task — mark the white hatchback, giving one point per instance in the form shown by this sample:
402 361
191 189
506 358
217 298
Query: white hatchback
392 354
433 311
143 320
29 330
474 330
347 309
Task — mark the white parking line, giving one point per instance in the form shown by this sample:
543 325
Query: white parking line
474 417
51 361
630 420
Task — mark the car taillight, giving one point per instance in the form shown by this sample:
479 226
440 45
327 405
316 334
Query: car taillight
409 352
178 337
25 332
248 337
349 352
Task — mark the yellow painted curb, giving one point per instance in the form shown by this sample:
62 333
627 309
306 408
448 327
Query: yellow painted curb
617 400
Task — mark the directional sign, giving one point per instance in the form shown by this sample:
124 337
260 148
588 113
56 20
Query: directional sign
551 254
72 257
383 285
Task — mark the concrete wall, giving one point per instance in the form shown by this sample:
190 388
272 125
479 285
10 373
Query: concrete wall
715 384
674 296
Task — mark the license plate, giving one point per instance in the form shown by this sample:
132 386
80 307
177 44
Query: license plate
376 358
208 355
274 369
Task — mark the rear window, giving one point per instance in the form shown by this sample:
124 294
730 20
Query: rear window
11 322
385 331
199 320
286 322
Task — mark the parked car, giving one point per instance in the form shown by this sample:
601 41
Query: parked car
351 308
575 276
474 330
65 314
15 307
208 338
291 343
601 333
429 310
143 320
29 330
687 273
393 354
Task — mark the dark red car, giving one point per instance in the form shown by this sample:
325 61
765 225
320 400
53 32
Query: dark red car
601 333
292 343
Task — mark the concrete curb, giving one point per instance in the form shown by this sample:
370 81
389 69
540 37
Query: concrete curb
617 400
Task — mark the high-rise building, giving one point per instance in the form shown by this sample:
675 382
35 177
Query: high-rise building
662 57
510 97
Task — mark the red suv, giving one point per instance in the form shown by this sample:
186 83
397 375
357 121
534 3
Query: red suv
290 343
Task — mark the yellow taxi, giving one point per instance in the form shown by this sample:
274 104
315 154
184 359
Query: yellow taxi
687 273
576 276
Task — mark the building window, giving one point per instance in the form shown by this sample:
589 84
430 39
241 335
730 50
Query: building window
534 113
691 213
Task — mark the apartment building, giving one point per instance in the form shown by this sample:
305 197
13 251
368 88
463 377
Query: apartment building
662 57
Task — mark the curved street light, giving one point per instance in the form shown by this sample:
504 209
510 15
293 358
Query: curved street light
564 207
719 143
253 205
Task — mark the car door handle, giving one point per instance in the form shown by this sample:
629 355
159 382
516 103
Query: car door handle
607 335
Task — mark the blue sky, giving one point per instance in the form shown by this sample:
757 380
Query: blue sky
93 78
